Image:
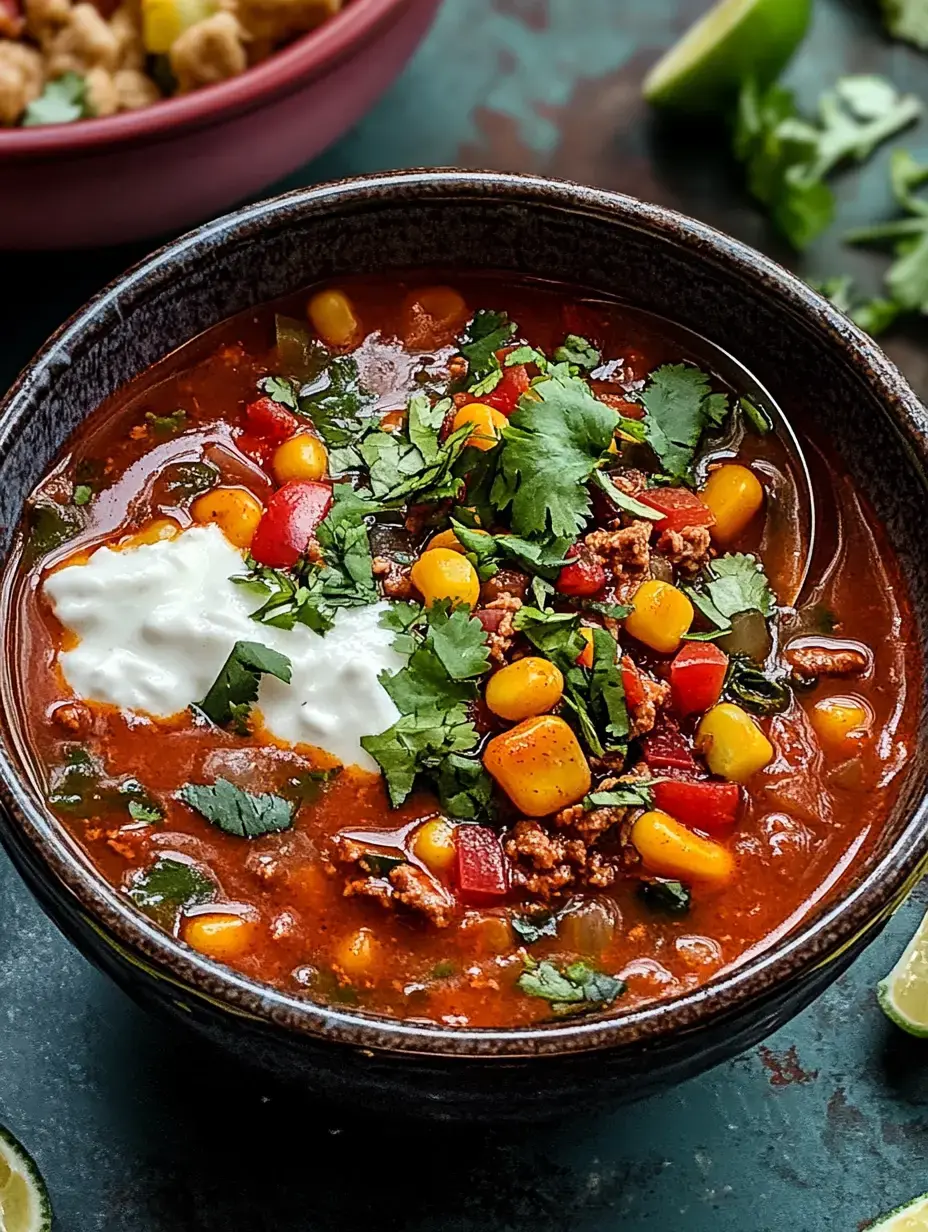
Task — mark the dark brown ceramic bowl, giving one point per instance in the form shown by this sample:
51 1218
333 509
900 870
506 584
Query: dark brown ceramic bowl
813 360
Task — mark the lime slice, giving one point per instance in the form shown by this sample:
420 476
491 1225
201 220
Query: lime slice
903 995
913 1217
735 40
24 1205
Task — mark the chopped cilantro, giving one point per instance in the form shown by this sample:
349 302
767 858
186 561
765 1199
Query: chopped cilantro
579 352
571 989
49 527
756 416
551 446
415 462
61 101
623 501
459 641
236 811
82 494
149 813
679 408
484 335
169 886
665 895
751 687
280 389
418 741
167 425
335 400
731 584
623 795
464 787
186 479
532 928
230 696
486 551
908 20
907 277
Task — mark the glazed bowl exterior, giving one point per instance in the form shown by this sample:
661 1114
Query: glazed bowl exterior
170 165
814 361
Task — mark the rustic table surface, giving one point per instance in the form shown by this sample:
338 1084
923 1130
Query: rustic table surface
823 1127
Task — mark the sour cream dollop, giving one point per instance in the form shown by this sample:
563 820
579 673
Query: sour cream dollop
155 624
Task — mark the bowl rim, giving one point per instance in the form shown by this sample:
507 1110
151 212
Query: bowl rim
829 931
314 53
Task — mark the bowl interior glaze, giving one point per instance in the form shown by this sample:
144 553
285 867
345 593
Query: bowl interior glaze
816 364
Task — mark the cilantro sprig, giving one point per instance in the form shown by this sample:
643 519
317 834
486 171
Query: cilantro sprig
243 814
169 886
231 695
728 586
485 334
680 407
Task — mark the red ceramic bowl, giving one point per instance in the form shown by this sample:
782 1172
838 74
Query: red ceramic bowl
143 172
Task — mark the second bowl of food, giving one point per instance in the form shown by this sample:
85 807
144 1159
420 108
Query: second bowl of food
465 626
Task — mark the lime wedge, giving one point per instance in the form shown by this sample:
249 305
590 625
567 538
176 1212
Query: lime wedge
903 995
913 1217
735 40
24 1205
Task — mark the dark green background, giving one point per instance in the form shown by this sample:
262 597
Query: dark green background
139 1129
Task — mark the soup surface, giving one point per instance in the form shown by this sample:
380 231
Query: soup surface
444 646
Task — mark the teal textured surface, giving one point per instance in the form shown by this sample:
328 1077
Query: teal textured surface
139 1129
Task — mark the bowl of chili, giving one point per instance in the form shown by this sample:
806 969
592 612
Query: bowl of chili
411 415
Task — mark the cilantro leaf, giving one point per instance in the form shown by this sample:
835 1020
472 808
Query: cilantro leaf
729 585
280 389
61 101
623 795
169 886
555 634
459 641
623 501
167 425
485 551
607 692
532 928
186 479
579 352
464 788
49 527
679 408
550 448
751 687
82 494
571 989
142 811
485 334
908 20
416 740
401 468
238 812
423 423
336 401
907 277
661 894
236 687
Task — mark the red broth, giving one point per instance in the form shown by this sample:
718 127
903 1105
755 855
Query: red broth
311 915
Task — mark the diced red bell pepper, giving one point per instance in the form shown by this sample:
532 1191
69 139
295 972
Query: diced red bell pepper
680 507
666 748
269 419
289 522
701 805
11 19
258 448
585 574
697 674
491 618
631 683
505 397
480 869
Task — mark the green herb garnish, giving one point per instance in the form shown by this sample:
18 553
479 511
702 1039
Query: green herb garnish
230 697
576 988
680 407
280 389
168 887
61 101
729 585
750 686
532 928
167 425
238 812
673 897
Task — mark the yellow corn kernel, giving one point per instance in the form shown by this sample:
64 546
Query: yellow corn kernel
219 934
539 765
234 510
357 953
524 689
439 302
734 495
301 457
448 539
163 21
488 934
154 532
433 844
842 724
585 658
660 615
669 849
333 318
441 573
732 743
488 424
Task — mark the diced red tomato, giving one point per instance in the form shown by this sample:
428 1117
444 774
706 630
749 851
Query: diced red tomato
491 618
11 19
585 574
480 870
289 522
269 419
697 674
505 397
631 683
680 507
666 748
701 805
258 448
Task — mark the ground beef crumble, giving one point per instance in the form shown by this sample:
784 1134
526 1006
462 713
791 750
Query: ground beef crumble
497 619
626 553
405 885
394 577
642 715
812 661
687 549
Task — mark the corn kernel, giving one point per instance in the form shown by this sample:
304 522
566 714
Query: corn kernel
333 318
448 539
526 688
585 658
488 424
154 532
164 21
357 953
219 935
539 764
234 510
842 724
433 844
732 743
660 615
669 849
734 495
441 573
301 457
